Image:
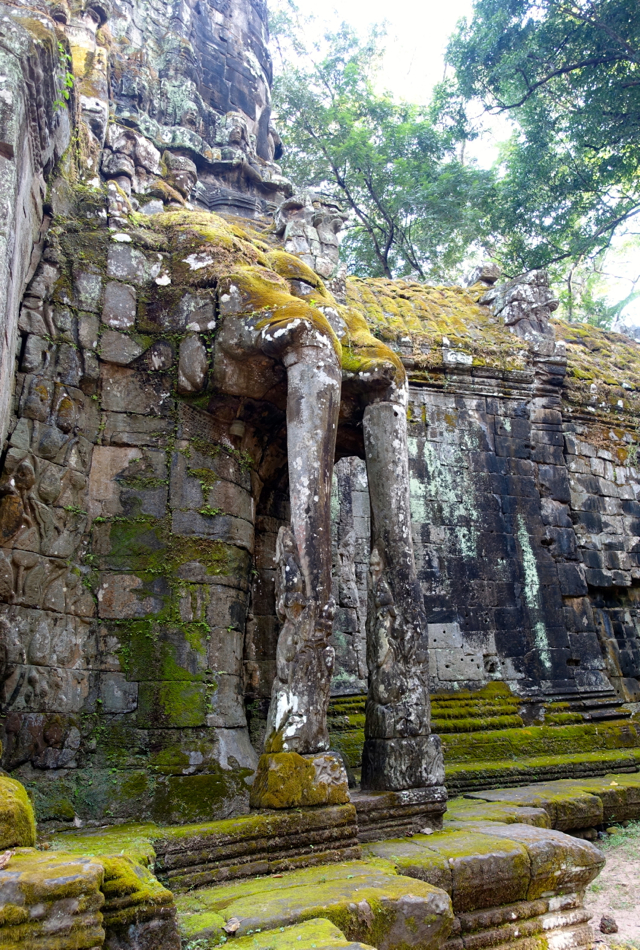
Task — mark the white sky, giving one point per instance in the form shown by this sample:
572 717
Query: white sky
417 36
416 41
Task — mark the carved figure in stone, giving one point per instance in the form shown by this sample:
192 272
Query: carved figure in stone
304 659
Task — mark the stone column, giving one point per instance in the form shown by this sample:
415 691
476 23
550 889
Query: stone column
399 752
296 768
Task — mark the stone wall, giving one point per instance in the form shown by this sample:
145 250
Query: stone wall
33 135
145 475
525 522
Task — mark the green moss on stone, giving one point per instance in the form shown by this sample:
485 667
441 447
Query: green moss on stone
288 780
17 820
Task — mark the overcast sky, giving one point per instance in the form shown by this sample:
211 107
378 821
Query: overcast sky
416 38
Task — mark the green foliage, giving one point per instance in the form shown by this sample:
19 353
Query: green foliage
414 205
64 93
566 71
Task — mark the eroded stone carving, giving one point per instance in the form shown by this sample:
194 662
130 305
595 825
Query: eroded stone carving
399 751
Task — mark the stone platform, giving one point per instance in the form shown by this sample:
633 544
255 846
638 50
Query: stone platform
391 814
507 869
478 885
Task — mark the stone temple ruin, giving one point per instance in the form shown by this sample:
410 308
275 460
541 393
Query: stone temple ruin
319 595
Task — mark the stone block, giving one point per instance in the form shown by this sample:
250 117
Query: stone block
370 905
553 479
559 864
126 390
119 348
395 764
312 933
136 430
512 448
128 263
216 527
87 283
193 364
33 689
572 580
126 596
177 703
454 665
568 808
289 780
108 462
17 820
43 892
466 809
444 636
555 513
116 694
485 872
226 702
119 309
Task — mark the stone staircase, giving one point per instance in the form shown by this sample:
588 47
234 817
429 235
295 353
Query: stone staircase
492 738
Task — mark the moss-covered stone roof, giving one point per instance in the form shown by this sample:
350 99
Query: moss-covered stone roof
431 328
603 370
421 320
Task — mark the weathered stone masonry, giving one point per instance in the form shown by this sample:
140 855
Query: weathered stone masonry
186 579
518 533
173 373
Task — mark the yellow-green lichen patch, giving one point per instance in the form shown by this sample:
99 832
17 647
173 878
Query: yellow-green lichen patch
432 317
603 370
292 268
471 724
540 741
363 353
17 820
365 900
133 840
51 888
494 773
265 297
130 890
288 780
204 245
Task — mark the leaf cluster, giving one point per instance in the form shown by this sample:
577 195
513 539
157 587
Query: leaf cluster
568 73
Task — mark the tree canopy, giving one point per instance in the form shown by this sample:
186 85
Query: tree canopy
415 206
567 72
565 185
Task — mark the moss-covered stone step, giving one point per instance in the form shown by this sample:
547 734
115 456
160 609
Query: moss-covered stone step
484 774
490 864
57 901
541 741
467 809
136 905
367 901
319 934
570 804
483 732
50 901
194 855
474 724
